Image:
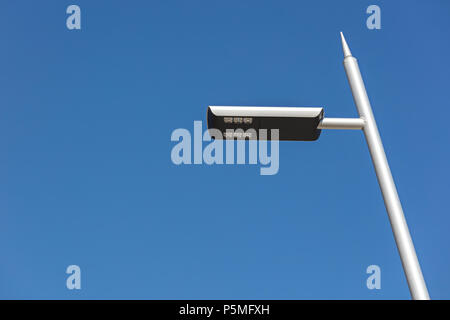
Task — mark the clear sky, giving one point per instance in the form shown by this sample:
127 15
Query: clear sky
86 176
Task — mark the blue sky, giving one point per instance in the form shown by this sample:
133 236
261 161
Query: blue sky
87 179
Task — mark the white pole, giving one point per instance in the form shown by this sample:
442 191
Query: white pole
405 246
341 123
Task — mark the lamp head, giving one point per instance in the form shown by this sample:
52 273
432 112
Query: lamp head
294 124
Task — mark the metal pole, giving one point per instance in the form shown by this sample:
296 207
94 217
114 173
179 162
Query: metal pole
405 246
341 123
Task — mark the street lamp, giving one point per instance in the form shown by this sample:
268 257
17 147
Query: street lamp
305 124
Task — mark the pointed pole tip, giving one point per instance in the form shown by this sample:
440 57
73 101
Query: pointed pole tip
345 48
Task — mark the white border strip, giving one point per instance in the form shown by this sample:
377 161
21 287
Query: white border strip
223 111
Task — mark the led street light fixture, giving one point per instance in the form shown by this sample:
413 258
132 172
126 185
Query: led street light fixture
296 124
